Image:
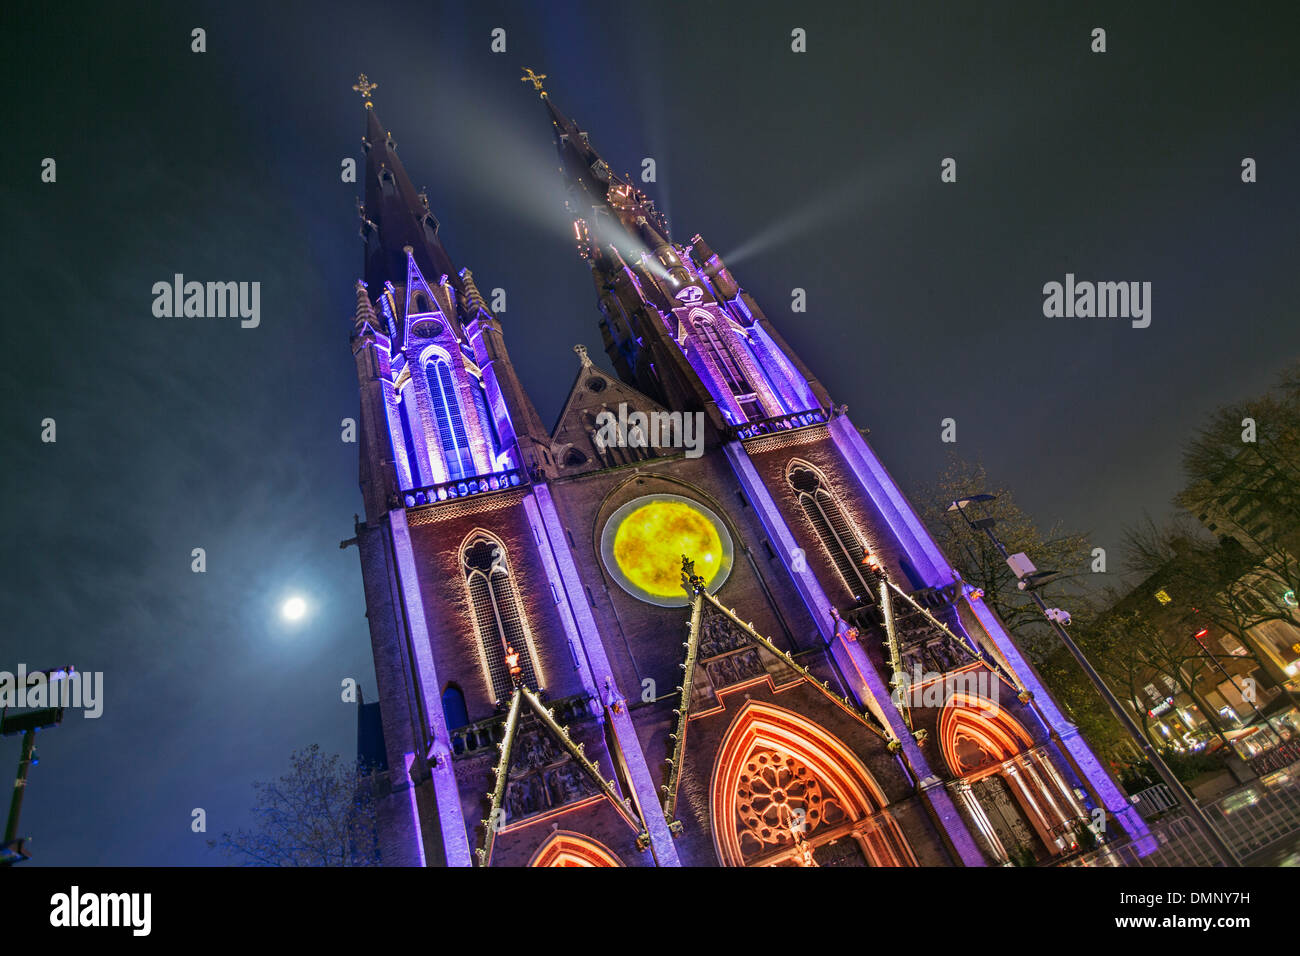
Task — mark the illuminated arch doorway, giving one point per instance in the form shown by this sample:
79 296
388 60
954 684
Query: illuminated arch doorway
1007 786
785 792
564 848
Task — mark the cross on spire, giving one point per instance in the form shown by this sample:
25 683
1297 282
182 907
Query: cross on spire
364 86
535 79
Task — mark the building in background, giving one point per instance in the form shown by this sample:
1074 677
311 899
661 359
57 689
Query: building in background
1194 677
812 685
1250 504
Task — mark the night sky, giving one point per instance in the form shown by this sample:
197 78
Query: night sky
816 170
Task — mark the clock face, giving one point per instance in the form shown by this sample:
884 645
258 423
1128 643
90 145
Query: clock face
643 542
426 329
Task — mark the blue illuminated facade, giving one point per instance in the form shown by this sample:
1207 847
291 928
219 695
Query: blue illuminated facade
538 711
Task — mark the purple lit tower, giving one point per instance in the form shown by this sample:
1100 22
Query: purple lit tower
557 687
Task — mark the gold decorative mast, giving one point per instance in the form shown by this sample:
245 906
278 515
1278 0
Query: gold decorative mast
523 697
535 79
364 86
694 586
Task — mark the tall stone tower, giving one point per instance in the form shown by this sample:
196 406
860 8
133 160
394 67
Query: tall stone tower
695 623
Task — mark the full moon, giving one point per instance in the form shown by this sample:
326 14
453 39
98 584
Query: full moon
294 608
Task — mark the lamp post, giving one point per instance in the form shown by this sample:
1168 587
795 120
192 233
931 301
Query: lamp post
1029 579
27 723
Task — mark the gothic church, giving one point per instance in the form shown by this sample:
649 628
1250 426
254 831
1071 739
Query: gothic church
596 652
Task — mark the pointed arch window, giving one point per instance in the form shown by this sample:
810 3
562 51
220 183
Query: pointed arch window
833 527
450 422
498 619
453 707
420 303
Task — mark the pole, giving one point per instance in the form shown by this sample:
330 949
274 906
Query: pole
1259 714
20 787
1192 808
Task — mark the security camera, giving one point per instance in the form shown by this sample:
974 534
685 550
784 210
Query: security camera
1059 616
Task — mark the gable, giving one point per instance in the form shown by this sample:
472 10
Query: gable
594 391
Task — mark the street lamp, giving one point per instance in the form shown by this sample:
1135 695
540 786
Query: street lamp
1030 579
27 723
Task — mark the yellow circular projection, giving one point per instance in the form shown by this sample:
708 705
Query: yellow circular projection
643 543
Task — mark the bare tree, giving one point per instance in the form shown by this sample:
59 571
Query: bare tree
1243 480
1135 652
321 813
1232 589
980 564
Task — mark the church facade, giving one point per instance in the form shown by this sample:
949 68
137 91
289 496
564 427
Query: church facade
695 623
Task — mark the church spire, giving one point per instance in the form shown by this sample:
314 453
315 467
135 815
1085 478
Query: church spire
395 214
677 326
608 207
441 338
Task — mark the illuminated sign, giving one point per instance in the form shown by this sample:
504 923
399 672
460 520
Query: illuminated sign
1161 707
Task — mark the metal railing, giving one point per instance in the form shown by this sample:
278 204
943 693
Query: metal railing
1154 800
1250 819
780 423
485 734
461 488
1173 842
1257 816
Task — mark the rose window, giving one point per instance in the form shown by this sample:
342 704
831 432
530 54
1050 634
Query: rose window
776 795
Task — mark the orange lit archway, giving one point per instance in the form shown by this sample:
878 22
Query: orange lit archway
785 790
976 734
564 848
1007 786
